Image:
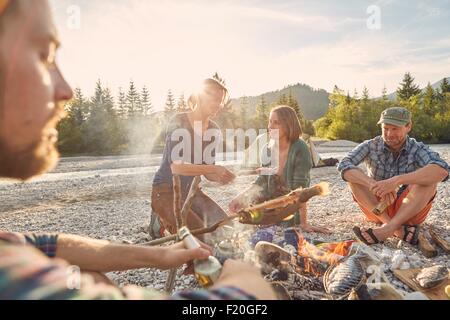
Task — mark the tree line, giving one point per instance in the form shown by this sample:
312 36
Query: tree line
129 124
354 117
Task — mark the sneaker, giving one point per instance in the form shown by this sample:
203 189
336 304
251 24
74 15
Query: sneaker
155 228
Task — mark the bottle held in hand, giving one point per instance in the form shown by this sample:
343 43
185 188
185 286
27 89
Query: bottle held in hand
206 271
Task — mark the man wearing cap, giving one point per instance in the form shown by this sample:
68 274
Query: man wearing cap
401 173
63 266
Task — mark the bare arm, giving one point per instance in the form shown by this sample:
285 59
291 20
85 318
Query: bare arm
428 175
192 170
358 177
104 256
211 172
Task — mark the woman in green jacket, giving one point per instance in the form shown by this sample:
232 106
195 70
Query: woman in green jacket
292 172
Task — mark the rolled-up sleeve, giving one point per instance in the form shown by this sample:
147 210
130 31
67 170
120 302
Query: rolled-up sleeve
425 156
354 158
47 243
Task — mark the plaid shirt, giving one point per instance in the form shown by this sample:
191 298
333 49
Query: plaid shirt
381 163
28 274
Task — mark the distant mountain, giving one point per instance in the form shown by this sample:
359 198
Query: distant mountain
435 86
313 102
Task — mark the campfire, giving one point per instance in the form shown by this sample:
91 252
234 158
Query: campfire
312 271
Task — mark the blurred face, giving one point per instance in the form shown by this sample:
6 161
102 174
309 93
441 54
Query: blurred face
211 100
33 91
275 127
395 136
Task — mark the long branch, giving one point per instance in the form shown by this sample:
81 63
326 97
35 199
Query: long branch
195 232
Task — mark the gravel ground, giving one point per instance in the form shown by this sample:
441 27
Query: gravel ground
109 198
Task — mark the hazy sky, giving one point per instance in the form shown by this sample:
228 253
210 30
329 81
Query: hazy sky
257 46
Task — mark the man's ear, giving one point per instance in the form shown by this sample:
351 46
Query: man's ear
409 127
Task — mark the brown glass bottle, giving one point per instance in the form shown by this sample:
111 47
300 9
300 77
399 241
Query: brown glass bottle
206 271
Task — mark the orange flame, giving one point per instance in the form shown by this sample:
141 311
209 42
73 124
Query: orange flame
329 253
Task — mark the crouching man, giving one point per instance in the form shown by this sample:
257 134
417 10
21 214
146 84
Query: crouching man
402 173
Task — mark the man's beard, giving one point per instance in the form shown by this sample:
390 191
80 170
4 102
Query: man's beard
39 158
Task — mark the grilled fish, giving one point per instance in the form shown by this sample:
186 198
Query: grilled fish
345 276
432 276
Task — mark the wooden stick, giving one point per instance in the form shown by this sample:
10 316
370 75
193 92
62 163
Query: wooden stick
170 282
189 199
195 232
177 200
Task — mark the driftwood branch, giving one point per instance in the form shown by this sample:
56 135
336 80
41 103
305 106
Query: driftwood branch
170 282
189 199
177 200
195 232
276 210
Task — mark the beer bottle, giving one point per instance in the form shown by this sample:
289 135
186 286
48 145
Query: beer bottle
206 271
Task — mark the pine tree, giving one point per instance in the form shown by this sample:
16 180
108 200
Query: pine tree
282 100
445 86
146 103
407 88
181 105
169 109
429 98
108 102
384 96
97 103
348 99
293 103
133 100
365 94
78 108
244 112
122 109
262 113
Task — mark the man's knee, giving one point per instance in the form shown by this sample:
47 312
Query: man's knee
422 190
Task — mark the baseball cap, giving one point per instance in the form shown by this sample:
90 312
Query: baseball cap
396 116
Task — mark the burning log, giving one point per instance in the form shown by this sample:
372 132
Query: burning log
271 256
277 210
